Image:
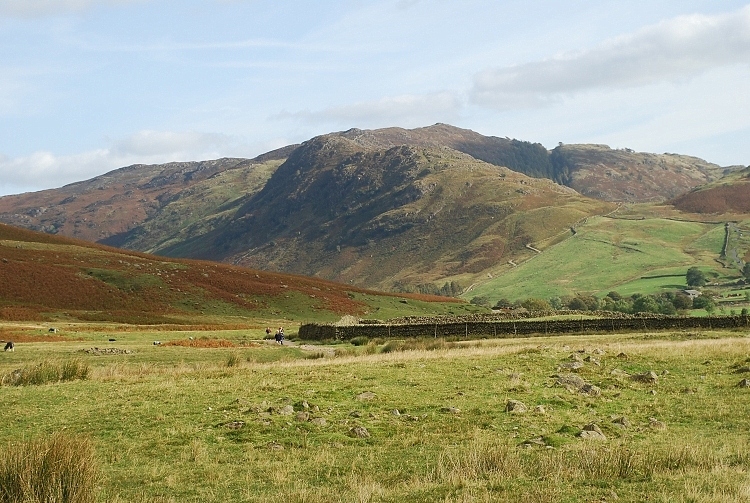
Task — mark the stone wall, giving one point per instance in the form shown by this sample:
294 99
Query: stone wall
507 329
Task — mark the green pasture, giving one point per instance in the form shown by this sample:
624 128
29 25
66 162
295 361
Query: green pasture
259 422
612 255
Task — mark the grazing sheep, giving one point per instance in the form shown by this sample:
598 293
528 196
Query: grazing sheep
9 346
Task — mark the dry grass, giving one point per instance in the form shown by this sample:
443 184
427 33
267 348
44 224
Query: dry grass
47 372
59 469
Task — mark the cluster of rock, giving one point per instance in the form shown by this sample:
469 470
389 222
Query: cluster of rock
107 351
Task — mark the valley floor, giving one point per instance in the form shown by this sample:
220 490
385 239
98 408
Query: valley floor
627 417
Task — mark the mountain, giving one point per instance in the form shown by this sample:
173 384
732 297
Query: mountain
388 208
388 216
142 195
48 278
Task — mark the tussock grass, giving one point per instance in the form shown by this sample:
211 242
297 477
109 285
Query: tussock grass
47 372
59 469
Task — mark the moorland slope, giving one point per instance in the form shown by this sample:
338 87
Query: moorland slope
46 277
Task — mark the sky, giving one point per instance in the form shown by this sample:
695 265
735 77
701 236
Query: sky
88 86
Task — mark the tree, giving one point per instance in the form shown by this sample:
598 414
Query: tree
533 304
481 300
503 304
646 304
704 302
746 271
695 277
682 301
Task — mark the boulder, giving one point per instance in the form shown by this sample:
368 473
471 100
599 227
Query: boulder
515 407
592 432
359 432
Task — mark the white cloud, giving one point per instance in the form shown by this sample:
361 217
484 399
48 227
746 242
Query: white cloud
679 48
37 8
41 170
405 110
149 143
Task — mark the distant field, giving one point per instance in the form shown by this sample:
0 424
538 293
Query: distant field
612 254
257 422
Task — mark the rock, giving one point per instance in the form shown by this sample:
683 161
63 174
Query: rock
570 366
742 370
592 432
515 407
305 405
575 357
319 421
591 390
275 446
745 383
303 416
647 377
599 352
592 360
451 410
622 422
534 442
355 413
396 412
619 373
286 410
539 409
655 424
571 382
235 425
359 432
622 356
367 395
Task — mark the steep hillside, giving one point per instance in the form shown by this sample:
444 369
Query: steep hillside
625 176
387 216
730 195
47 277
593 170
140 206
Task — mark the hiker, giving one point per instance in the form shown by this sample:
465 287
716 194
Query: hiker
280 335
268 332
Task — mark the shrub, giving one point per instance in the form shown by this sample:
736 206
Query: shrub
359 341
47 372
233 360
59 469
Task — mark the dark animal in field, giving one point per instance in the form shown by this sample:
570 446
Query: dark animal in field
9 346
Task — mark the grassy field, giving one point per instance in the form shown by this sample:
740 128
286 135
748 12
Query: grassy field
620 255
187 420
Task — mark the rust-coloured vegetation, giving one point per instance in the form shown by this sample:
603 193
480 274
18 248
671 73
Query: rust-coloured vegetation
202 342
44 276
733 198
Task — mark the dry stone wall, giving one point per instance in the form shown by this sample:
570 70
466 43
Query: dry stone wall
520 328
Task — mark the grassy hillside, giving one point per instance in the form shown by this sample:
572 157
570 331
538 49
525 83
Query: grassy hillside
47 277
608 254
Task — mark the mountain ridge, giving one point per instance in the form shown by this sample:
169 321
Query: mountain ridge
359 205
